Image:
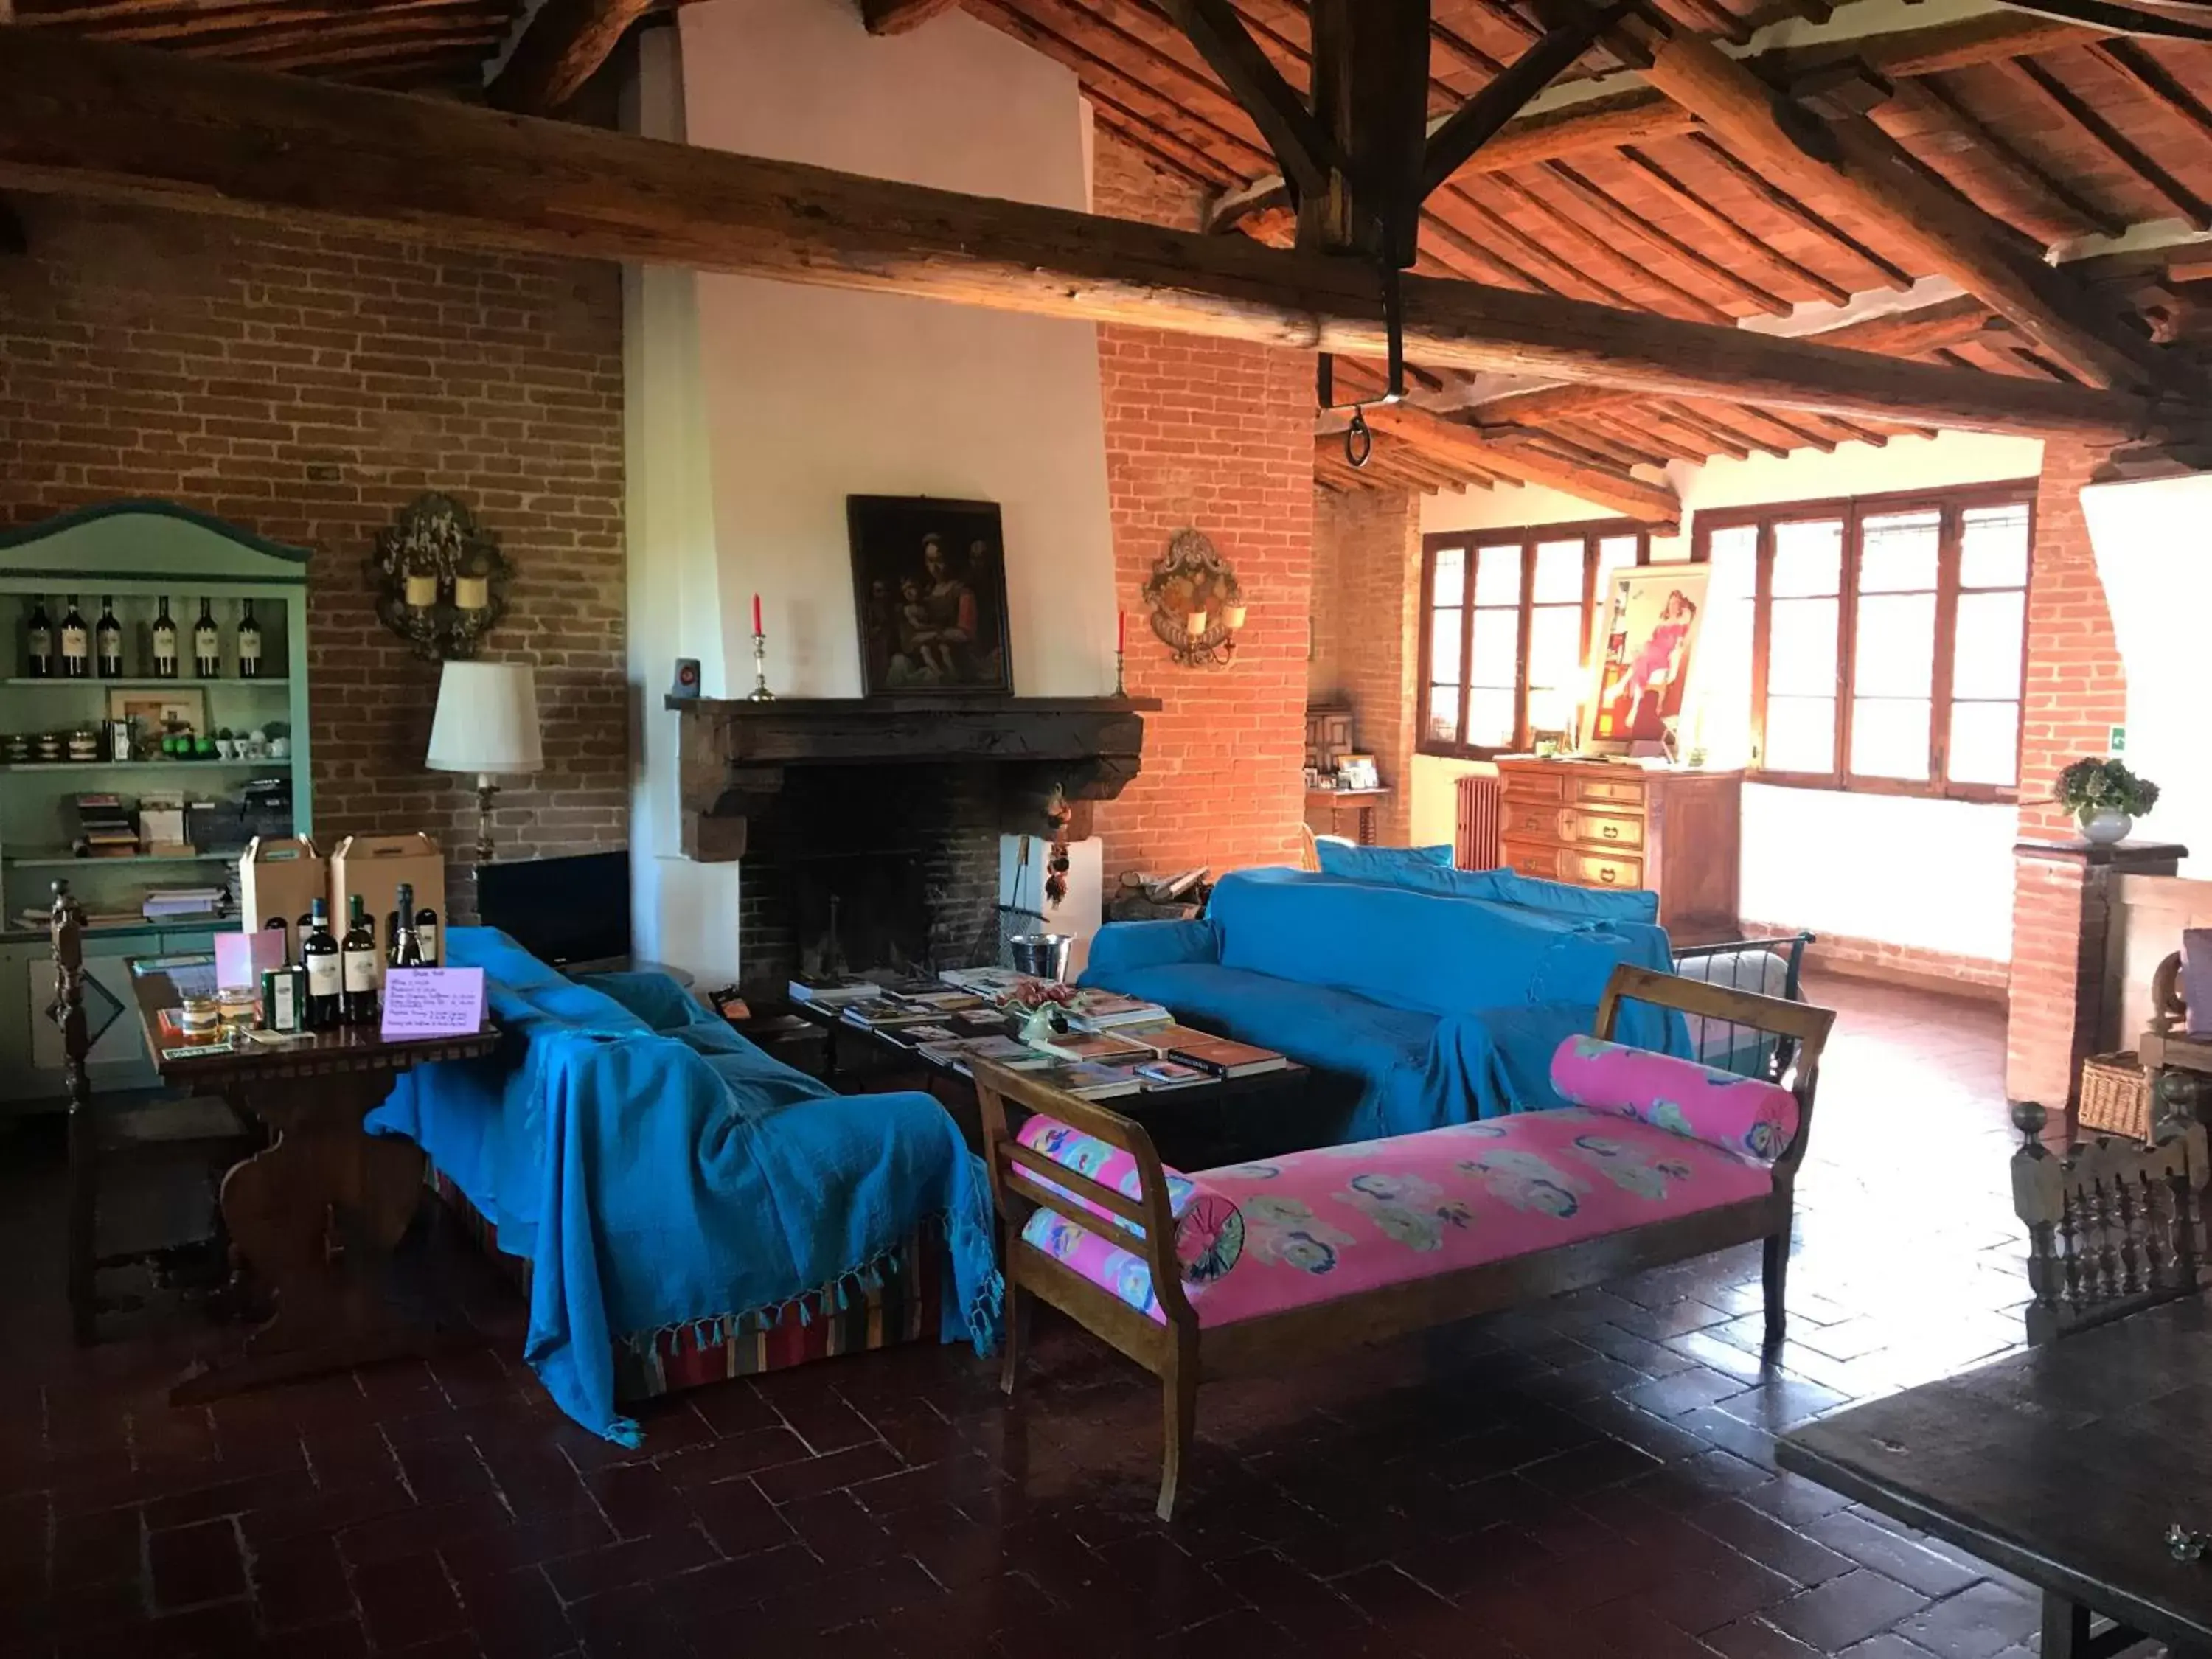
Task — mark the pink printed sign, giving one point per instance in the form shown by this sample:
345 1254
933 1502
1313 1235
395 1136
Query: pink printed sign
242 957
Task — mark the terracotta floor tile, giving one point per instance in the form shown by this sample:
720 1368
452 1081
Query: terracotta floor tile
1586 1478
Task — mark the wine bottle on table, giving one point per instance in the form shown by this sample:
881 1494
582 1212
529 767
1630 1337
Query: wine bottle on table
406 943
165 645
107 637
249 645
318 955
359 965
283 928
38 641
426 929
77 644
207 643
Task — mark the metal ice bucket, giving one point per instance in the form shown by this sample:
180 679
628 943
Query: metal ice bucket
1042 955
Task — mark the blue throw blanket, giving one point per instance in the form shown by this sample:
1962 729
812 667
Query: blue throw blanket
678 1177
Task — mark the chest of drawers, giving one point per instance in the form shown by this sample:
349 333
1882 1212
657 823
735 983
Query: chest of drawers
1592 824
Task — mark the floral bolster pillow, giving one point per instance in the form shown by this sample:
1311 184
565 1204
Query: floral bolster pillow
1207 1225
1742 1114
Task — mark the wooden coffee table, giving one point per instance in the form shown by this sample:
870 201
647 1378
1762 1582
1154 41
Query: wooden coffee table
315 1215
1192 1107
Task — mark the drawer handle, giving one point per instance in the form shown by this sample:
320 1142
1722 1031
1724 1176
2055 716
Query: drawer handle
1607 875
1611 832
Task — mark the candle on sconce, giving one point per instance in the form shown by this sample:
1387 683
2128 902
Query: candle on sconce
757 628
1195 623
1232 616
1121 630
421 590
472 592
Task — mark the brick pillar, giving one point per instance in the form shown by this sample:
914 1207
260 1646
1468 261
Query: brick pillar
2064 897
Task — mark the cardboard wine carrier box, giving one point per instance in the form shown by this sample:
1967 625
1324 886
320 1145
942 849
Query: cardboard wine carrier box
373 866
279 878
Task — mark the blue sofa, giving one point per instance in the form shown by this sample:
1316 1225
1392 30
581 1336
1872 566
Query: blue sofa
1443 1009
659 1172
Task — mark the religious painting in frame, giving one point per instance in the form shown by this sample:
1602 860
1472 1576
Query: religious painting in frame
929 586
1642 656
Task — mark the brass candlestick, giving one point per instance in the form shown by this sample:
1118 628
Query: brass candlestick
760 692
1120 689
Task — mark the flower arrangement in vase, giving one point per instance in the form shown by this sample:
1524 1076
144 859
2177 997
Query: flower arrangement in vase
2105 798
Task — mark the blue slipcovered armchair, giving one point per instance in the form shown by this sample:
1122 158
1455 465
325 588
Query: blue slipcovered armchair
1442 1008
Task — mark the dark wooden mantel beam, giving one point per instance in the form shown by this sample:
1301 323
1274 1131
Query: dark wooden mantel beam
120 123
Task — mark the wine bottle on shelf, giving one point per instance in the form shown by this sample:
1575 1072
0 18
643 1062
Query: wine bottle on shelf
426 930
249 645
318 955
406 943
107 637
165 648
207 643
359 964
278 925
75 644
38 641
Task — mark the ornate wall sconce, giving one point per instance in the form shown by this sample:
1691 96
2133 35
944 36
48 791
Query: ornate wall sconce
1195 603
439 578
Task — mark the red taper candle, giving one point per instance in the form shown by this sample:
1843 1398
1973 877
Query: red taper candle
757 628
1121 630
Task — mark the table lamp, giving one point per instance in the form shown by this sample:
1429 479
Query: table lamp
487 724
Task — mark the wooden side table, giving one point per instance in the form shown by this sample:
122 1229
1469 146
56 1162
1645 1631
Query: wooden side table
1333 806
315 1216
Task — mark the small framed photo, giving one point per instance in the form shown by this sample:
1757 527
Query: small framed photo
160 710
1358 772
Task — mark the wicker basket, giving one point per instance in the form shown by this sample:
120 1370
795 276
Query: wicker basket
2115 1095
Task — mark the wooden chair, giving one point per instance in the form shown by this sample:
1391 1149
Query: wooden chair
1308 849
100 1134
1175 1348
2113 1228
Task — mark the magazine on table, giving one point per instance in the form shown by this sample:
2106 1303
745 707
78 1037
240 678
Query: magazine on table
879 1011
829 991
1157 1074
1013 1055
1096 1048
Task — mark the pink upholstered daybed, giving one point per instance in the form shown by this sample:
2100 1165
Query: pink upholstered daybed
1266 1262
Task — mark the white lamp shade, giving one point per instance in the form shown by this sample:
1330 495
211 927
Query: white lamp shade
486 721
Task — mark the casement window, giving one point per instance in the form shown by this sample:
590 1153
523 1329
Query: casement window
1506 628
1877 643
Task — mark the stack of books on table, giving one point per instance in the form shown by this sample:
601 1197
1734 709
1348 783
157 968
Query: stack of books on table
1010 1052
830 991
879 1013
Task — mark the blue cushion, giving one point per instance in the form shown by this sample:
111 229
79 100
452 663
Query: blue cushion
1557 897
1451 882
1334 1030
1121 947
654 997
1343 858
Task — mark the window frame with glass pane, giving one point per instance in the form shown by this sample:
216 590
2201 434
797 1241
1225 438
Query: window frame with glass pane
1905 573
1475 583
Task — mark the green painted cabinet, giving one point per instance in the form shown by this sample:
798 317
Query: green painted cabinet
135 554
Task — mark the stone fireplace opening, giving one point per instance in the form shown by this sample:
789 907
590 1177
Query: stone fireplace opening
855 869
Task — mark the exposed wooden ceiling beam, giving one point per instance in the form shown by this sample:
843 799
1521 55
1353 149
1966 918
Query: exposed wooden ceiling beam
1449 441
1852 161
897 16
561 48
1476 121
1638 114
123 123
1900 334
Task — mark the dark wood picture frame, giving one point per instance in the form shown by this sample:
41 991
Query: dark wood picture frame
929 596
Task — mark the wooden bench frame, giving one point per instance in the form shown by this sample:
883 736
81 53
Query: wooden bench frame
1182 1354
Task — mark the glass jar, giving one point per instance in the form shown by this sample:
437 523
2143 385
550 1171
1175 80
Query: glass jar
199 1019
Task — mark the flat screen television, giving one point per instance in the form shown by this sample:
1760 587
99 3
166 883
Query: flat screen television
562 911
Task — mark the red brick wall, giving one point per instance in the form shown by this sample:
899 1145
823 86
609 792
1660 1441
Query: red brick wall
1366 588
2075 691
1220 436
308 386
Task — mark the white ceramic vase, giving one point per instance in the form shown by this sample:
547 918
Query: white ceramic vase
2106 826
